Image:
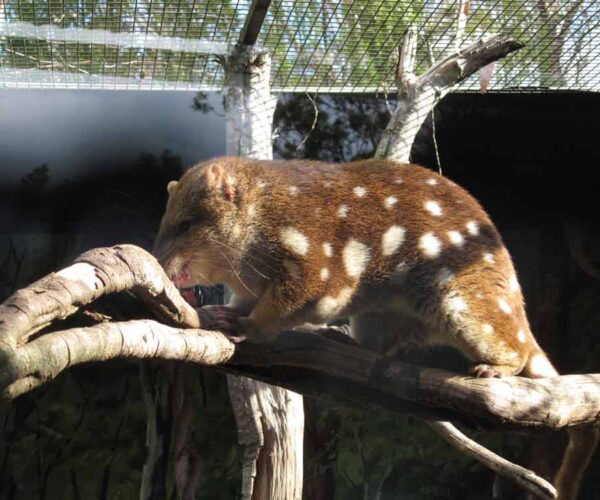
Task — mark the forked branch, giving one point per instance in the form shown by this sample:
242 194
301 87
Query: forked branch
418 95
307 361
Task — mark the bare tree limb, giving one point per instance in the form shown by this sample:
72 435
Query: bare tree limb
44 358
523 477
306 361
95 273
415 102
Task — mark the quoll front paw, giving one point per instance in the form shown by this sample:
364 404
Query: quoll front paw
223 319
482 370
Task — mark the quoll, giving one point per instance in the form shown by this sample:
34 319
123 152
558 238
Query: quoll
302 241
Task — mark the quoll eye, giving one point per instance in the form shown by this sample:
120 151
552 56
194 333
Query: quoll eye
184 226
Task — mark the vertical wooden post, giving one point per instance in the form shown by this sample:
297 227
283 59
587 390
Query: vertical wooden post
270 420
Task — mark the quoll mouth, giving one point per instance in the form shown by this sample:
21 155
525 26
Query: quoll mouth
190 296
198 295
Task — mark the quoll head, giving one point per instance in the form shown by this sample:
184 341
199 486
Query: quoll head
204 226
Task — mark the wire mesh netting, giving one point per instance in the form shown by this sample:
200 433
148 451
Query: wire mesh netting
317 46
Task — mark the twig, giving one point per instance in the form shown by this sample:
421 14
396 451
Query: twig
523 477
314 123
435 143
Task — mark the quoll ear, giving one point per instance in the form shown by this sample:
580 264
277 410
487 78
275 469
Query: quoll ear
171 187
218 181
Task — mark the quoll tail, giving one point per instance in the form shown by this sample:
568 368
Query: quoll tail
539 366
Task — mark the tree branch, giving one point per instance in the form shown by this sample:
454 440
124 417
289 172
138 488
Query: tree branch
523 477
307 361
417 99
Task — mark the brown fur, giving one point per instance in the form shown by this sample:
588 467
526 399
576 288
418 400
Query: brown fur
260 227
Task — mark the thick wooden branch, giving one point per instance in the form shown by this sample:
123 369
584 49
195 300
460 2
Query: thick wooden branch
46 357
95 273
307 361
312 363
417 99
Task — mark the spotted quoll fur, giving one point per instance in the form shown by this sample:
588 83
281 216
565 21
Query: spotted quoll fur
301 241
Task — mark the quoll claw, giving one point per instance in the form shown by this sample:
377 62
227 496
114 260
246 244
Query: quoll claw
485 371
482 370
217 317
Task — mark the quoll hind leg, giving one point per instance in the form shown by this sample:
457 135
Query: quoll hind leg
490 327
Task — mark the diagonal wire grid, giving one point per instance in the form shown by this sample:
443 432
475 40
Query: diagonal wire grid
317 46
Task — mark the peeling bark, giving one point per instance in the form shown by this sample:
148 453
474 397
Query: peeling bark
418 97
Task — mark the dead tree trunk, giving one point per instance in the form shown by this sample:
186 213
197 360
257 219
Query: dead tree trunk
270 419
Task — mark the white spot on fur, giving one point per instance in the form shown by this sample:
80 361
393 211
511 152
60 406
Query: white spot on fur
294 240
392 239
430 245
327 306
483 347
489 258
327 249
359 191
293 190
342 211
444 276
398 180
324 274
327 184
356 256
433 207
236 230
512 355
521 336
431 182
344 296
487 328
261 184
504 306
457 304
456 238
514 283
330 306
472 228
389 202
83 272
292 268
539 366
251 210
